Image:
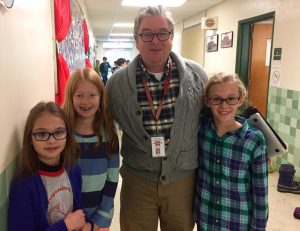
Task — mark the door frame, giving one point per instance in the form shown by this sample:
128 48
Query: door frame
243 50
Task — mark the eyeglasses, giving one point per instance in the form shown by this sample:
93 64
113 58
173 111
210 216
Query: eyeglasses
43 136
161 36
230 100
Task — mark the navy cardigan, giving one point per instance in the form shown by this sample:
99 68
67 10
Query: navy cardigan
28 203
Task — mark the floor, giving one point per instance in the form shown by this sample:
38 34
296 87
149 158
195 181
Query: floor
281 205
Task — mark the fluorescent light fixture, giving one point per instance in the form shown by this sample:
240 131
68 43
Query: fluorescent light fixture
121 24
119 40
168 3
121 34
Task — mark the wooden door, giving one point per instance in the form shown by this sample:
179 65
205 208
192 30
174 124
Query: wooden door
259 71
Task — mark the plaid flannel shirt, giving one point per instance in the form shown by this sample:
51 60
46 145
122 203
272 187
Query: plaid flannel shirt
156 87
232 186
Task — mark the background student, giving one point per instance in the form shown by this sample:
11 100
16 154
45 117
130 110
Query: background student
45 194
87 109
97 66
232 185
104 69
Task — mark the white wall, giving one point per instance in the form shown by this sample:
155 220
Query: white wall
27 68
286 34
178 28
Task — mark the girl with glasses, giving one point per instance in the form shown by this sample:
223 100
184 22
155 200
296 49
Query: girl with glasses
45 194
232 185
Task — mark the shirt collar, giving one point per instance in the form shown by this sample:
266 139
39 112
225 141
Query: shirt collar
147 73
241 132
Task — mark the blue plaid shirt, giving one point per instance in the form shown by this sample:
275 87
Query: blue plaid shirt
232 186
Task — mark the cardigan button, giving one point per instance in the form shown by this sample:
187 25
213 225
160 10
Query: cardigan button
138 112
162 178
145 137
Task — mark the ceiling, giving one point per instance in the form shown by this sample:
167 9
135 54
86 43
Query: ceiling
103 13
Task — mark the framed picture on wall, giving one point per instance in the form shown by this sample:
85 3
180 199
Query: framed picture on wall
226 39
212 43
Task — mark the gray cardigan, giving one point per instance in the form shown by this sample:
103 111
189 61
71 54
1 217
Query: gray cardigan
182 151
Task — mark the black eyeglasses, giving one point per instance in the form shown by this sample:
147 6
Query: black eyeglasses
230 100
161 36
43 136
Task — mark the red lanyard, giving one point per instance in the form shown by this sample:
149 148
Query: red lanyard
156 114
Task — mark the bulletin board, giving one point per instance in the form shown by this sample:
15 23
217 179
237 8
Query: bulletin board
72 47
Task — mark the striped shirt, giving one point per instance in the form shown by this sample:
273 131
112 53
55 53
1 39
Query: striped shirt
156 87
232 186
100 175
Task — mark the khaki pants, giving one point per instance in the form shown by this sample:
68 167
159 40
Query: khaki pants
143 202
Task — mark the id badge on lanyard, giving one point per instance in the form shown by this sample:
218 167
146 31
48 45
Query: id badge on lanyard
157 142
158 146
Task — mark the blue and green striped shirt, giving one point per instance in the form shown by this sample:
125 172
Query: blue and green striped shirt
100 175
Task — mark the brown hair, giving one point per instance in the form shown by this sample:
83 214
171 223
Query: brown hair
103 119
29 161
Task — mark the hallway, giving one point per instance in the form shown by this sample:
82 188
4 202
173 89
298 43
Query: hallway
29 73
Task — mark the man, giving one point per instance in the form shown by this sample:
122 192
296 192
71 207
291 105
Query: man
156 100
104 69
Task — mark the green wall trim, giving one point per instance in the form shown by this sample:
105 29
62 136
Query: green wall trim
5 179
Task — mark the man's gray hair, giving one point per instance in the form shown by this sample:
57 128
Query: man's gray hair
153 11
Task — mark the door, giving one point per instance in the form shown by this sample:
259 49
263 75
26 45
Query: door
259 66
252 40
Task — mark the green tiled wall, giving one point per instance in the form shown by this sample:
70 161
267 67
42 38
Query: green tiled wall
284 116
5 179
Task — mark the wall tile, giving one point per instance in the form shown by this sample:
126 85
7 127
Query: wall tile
283 115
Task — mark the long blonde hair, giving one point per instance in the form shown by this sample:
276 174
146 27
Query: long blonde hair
103 119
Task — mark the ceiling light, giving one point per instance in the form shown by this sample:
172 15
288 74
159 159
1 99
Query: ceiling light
120 40
122 34
121 24
167 3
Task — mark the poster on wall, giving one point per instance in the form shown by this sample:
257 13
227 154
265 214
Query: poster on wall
275 76
226 39
268 52
212 43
